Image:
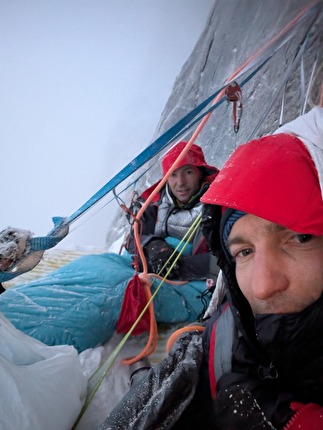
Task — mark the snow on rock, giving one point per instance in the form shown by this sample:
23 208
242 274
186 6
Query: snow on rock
234 31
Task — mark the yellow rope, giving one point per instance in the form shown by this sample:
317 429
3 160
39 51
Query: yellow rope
98 376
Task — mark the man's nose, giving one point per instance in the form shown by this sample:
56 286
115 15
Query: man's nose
180 180
269 275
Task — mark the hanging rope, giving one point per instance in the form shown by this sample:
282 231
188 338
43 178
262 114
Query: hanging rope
99 375
219 96
292 66
61 225
275 43
170 263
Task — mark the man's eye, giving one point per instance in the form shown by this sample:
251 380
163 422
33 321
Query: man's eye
304 238
242 253
245 252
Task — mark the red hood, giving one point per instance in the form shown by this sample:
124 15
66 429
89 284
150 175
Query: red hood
194 157
273 178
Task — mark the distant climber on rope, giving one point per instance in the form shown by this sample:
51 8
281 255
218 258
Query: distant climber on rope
170 215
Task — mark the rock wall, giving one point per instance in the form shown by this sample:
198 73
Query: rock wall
234 31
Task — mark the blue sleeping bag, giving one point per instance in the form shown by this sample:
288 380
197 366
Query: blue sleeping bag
79 304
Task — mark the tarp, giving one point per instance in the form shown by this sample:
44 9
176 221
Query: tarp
41 387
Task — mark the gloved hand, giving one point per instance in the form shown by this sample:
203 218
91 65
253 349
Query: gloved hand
157 252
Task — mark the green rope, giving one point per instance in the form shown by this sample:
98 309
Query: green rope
99 375
179 248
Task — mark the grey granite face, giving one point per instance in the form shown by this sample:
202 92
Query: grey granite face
234 31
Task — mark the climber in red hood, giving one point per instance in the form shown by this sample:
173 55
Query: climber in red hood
172 212
267 372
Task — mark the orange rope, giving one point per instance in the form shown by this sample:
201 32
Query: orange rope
153 336
153 332
152 340
172 339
